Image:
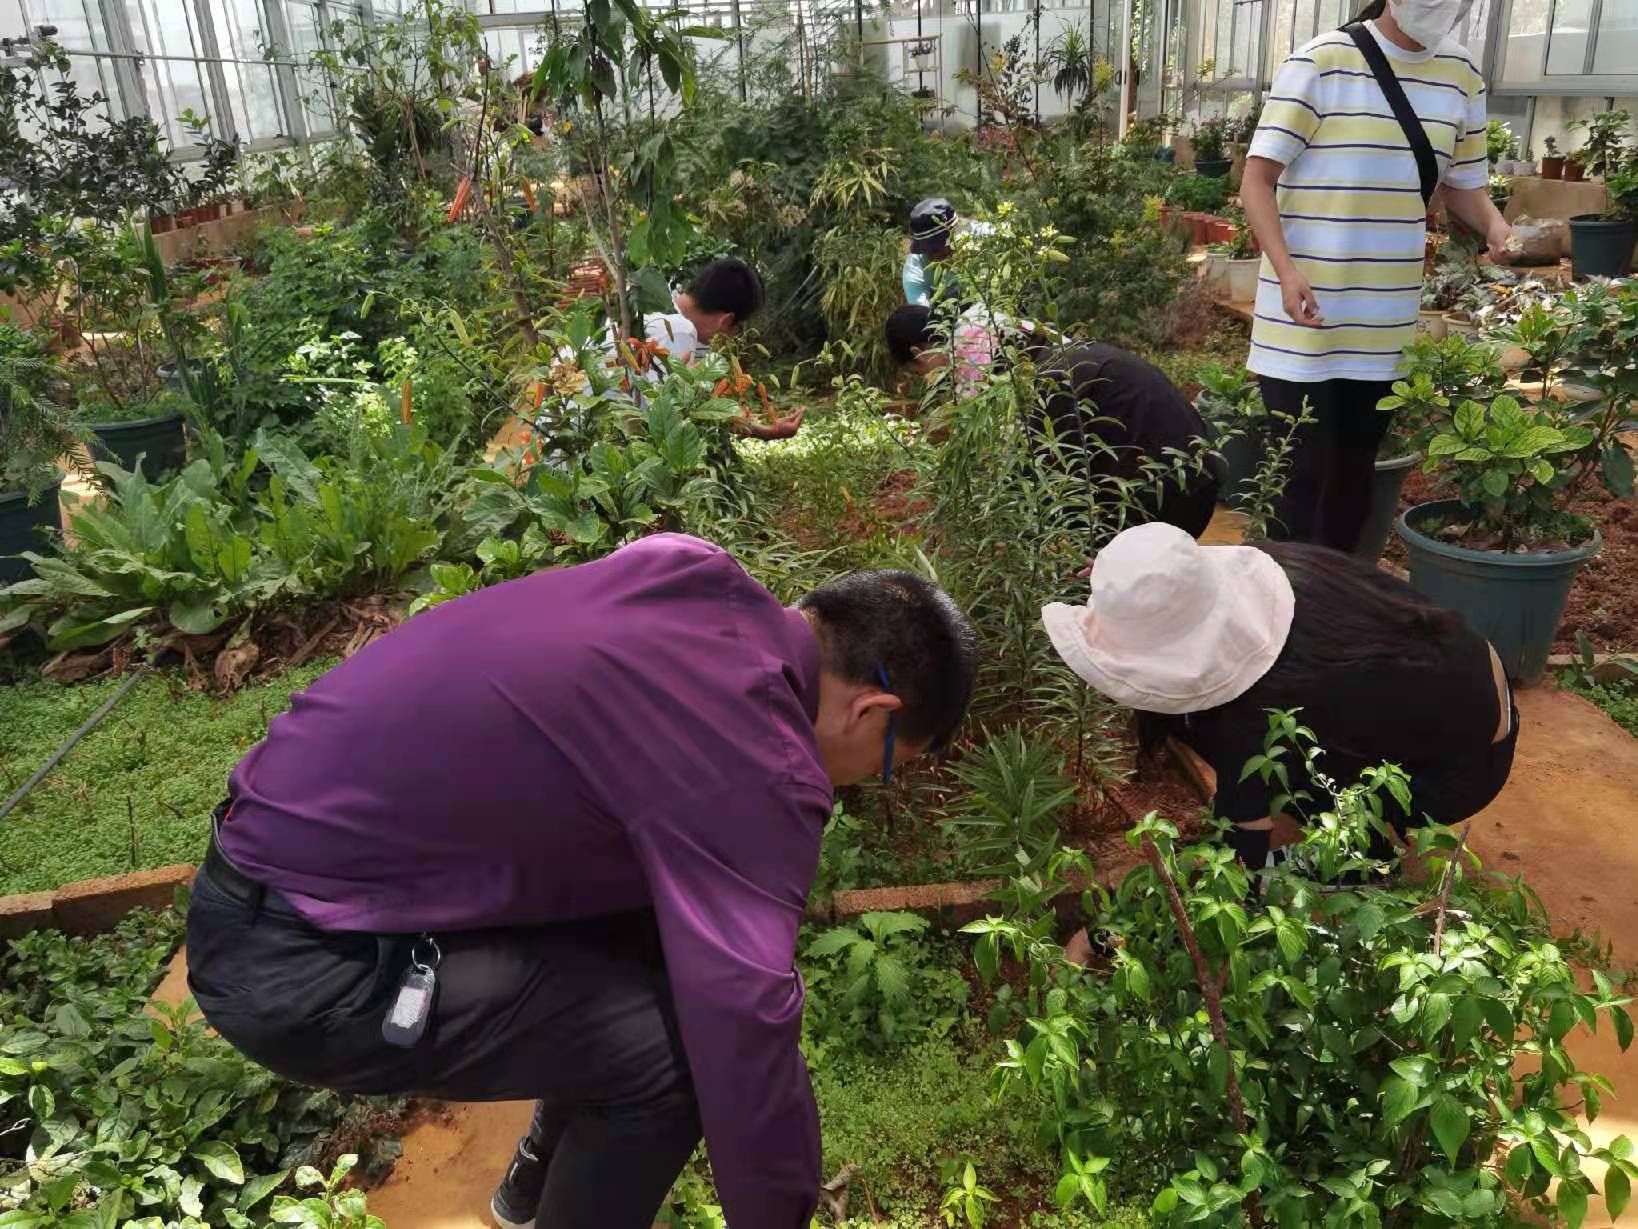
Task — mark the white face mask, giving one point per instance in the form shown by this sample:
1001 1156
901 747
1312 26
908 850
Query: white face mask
1428 21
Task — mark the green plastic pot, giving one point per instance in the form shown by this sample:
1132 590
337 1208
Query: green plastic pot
1600 246
1385 488
161 442
23 527
1513 601
1213 168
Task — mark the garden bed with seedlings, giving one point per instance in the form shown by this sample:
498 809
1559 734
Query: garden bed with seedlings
416 396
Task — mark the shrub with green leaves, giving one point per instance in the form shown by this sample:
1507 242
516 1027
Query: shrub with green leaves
116 1112
872 984
1321 1053
1508 462
213 543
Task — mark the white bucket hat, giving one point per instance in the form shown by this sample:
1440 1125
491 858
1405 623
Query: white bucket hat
1173 626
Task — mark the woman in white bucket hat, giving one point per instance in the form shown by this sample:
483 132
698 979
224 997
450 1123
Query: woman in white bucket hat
1201 640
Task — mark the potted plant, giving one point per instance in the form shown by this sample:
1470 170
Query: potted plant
1232 405
152 430
1575 166
1605 148
1498 144
1210 138
1505 551
1244 259
1552 162
1601 244
34 433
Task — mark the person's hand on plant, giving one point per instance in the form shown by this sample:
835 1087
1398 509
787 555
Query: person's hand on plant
1299 300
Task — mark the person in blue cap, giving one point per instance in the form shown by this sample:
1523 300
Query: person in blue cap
932 223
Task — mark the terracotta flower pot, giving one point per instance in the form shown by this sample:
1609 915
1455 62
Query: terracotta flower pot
1574 172
1552 168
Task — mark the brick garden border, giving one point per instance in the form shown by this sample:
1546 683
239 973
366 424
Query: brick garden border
91 906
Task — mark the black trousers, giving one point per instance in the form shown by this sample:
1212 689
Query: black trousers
578 1016
1446 794
1328 491
1190 510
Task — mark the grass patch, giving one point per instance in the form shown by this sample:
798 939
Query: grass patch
902 1118
137 791
1620 702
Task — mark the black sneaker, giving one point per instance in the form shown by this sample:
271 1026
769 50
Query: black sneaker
517 1198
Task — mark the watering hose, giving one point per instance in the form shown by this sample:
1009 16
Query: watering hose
103 710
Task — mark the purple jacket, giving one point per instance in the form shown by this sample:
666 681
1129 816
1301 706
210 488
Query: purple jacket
635 732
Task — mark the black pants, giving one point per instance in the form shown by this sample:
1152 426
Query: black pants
1328 490
1190 510
1446 793
577 1015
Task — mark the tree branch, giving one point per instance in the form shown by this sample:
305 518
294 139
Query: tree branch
1211 984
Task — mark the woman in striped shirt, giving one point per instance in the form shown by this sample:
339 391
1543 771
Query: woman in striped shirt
1333 193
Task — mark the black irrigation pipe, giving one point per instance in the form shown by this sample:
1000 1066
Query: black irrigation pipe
106 707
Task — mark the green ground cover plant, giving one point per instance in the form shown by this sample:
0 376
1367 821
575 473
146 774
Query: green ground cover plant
137 791
111 1114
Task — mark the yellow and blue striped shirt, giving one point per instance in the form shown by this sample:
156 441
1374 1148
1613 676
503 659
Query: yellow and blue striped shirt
1351 203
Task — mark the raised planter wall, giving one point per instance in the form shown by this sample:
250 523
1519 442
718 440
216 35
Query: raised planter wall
91 906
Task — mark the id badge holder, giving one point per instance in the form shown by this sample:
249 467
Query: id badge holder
412 1005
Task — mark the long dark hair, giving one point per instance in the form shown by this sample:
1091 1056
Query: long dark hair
1349 616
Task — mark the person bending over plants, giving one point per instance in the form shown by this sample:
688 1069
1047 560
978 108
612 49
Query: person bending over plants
1203 640
717 301
554 840
1097 390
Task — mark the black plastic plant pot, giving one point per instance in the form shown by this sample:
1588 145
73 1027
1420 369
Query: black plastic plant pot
1241 457
1213 168
1385 488
1600 246
23 527
161 442
1513 601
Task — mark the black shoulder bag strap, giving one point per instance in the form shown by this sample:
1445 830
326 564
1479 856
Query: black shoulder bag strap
1426 165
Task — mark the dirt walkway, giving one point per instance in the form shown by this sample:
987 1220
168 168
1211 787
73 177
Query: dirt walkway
1566 821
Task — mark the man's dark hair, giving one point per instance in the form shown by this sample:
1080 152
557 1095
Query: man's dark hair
898 622
907 327
1372 11
730 285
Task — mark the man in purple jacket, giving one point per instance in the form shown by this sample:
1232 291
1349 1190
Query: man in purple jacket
553 841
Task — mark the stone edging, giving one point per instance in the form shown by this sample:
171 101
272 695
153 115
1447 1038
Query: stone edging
91 906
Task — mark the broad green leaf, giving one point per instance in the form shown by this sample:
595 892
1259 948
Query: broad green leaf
1368 918
1623 1026
1398 1100
259 1188
1519 1165
1572 1203
221 1158
1466 1018
189 1201
1450 1123
1217 1062
1561 1019
1617 1190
